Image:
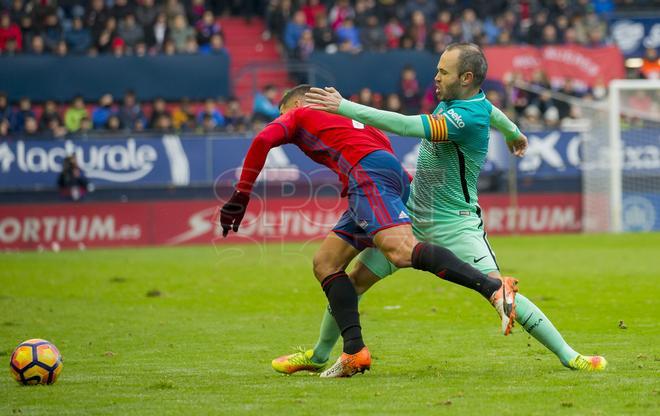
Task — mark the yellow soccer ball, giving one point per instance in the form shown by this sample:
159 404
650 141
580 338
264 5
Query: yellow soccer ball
36 361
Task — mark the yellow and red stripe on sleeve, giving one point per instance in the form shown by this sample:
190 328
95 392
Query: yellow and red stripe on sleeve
437 126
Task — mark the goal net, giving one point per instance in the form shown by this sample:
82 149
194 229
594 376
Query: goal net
621 159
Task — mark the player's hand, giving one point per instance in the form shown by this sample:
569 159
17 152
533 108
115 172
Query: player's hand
326 99
518 146
233 211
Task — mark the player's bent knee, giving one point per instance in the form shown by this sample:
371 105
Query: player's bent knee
399 257
323 267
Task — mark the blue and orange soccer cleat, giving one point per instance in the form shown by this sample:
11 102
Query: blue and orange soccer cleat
588 363
298 361
348 365
503 300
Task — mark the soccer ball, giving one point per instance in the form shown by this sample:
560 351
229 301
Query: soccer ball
36 361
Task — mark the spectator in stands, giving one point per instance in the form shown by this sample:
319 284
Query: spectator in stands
10 48
158 34
206 28
341 11
313 9
393 32
4 127
211 110
426 7
163 124
96 18
146 14
169 48
363 9
85 127
28 30
372 36
418 31
471 26
49 113
305 46
393 103
75 114
9 31
5 109
30 127
324 36
78 38
72 182
535 31
235 120
531 121
349 37
114 124
107 35
196 10
180 32
140 50
19 117
265 104
294 30
103 111
366 97
61 49
37 45
130 31
52 32
651 64
183 116
409 90
574 121
278 13
172 9
159 110
191 46
130 111
215 47
122 8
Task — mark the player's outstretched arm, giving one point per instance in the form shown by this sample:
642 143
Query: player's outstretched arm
330 100
232 211
515 139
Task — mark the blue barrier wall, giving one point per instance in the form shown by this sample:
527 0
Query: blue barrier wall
170 77
384 69
121 162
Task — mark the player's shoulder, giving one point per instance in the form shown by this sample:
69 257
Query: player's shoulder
473 110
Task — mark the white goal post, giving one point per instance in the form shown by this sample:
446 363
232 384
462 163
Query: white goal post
630 163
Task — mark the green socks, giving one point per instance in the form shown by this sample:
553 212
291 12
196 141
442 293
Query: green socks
530 317
328 337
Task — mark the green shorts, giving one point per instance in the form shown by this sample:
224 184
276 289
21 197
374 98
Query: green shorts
464 235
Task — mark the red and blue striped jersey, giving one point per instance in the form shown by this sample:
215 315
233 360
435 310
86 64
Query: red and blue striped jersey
331 140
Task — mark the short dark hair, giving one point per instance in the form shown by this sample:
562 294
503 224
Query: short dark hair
471 59
293 93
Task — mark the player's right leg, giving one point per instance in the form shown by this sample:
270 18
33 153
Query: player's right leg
315 360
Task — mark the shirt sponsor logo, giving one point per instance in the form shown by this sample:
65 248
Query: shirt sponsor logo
458 120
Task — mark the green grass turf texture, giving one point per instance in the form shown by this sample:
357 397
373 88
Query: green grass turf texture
204 345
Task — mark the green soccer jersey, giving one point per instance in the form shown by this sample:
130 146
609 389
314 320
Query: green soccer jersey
449 163
452 154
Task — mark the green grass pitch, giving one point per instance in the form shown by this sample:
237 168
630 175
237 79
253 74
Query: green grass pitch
202 342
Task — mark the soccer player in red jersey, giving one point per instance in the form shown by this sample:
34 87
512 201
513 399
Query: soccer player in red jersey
377 188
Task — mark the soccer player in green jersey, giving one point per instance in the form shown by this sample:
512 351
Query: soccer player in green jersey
443 201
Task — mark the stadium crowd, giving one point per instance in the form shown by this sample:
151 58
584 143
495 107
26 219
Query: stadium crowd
143 27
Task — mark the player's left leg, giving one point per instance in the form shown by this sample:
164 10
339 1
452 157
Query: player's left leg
467 238
316 359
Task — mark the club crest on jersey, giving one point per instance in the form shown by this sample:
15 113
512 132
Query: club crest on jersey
363 224
457 118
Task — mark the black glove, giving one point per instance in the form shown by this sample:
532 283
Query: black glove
233 211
